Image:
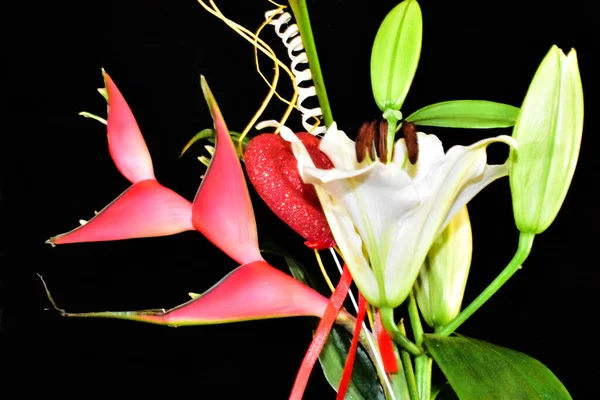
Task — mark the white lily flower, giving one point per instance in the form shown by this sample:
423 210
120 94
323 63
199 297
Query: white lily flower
385 217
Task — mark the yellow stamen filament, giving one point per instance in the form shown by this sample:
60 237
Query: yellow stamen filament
264 48
323 271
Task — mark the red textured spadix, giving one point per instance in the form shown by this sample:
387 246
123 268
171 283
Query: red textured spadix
252 291
222 210
273 171
146 209
125 141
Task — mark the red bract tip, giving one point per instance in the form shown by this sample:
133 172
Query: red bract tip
146 209
125 141
334 306
252 291
222 210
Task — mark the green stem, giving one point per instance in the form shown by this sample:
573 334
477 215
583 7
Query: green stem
387 320
415 319
423 365
525 243
301 14
409 372
392 117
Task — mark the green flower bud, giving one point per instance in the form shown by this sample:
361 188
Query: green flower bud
548 131
395 55
441 284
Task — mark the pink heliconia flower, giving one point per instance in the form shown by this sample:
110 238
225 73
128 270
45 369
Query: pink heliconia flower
147 208
221 211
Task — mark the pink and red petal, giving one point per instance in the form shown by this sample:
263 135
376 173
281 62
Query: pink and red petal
222 210
146 209
125 141
252 291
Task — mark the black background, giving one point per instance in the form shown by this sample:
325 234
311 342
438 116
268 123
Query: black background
56 170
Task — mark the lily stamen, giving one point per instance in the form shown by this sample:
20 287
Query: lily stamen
364 141
371 140
410 138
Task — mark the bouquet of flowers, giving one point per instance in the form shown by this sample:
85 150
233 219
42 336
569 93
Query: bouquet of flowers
387 204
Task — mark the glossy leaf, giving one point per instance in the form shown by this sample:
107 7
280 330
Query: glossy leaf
395 54
474 114
480 370
365 383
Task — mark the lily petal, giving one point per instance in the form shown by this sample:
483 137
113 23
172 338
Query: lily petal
340 221
125 141
252 291
146 209
444 189
222 210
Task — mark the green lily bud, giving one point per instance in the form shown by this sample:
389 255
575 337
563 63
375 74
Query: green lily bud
548 131
441 284
395 55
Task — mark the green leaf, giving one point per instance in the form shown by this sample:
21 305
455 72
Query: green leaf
365 382
93 116
480 370
209 134
475 114
443 392
395 54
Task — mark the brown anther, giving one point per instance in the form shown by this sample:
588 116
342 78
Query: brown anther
382 141
364 141
410 138
372 140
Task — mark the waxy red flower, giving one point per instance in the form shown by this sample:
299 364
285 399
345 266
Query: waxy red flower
147 208
221 211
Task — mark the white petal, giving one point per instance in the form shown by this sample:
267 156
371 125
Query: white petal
444 190
350 243
340 149
489 173
431 153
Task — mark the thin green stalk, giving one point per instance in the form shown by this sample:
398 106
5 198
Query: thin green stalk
409 372
525 243
415 319
387 320
392 117
423 365
301 14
